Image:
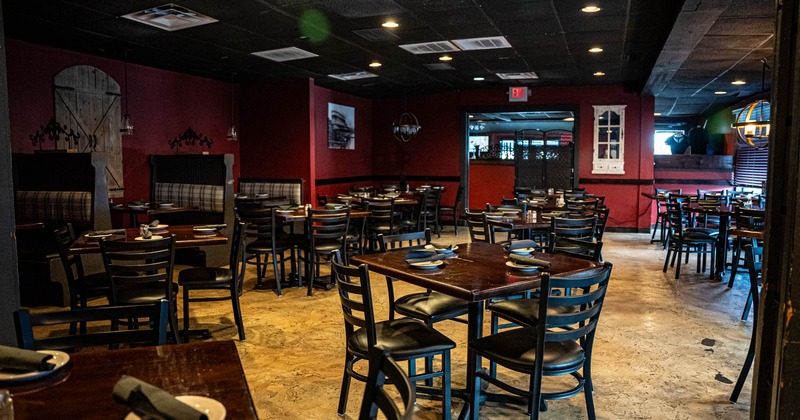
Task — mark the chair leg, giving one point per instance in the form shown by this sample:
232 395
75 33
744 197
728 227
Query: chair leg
237 311
185 314
345 385
748 361
173 321
278 276
747 305
680 255
446 381
588 391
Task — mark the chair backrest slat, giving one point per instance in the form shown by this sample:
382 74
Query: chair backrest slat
356 297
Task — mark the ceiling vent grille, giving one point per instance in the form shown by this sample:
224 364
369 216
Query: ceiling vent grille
285 54
430 47
518 76
170 17
353 76
439 66
489 43
376 34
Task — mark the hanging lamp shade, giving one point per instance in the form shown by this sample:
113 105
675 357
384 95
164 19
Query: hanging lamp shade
405 127
126 128
752 124
232 134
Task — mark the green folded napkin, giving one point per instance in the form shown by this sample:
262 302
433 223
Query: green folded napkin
442 246
107 232
12 358
151 402
519 259
431 257
334 206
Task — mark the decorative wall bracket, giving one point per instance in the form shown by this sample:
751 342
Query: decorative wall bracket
53 131
190 138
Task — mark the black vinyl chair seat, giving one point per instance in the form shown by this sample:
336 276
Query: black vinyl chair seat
706 231
263 245
432 306
695 236
524 311
139 296
512 349
206 277
408 338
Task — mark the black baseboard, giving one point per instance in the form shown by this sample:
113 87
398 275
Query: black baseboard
627 229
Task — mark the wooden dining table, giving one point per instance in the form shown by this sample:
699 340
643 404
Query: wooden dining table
83 388
475 273
185 237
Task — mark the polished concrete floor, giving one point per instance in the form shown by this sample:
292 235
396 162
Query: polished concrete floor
665 348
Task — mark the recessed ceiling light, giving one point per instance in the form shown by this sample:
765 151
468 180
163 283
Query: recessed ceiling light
738 82
445 58
598 73
595 50
375 64
720 92
390 24
478 79
657 114
590 9
569 119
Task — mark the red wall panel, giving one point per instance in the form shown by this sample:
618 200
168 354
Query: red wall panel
162 105
489 183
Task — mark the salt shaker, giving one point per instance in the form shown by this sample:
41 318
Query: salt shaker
6 405
143 229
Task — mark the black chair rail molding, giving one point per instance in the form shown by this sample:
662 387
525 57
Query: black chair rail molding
190 138
53 131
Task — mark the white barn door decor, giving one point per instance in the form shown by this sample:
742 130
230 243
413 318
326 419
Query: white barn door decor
87 100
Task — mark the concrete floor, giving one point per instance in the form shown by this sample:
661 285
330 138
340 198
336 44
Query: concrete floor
665 348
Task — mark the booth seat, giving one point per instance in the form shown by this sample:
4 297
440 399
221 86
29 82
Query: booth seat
291 188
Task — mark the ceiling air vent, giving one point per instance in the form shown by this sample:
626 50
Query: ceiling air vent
353 76
489 43
170 17
439 66
376 34
518 76
430 47
285 54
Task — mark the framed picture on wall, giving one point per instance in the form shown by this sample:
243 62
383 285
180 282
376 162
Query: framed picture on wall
341 127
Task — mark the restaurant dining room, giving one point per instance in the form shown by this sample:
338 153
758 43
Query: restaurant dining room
399 209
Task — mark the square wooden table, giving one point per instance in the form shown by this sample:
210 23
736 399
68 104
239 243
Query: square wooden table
83 388
477 273
185 237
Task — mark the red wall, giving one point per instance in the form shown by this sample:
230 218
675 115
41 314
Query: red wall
489 183
162 105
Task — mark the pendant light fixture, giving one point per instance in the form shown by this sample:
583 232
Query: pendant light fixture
752 122
406 126
232 134
126 128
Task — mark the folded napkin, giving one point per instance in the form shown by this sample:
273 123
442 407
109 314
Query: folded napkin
217 227
151 402
154 223
136 203
12 358
442 246
521 243
423 254
334 206
107 232
519 259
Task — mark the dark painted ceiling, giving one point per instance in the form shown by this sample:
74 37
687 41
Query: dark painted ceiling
548 37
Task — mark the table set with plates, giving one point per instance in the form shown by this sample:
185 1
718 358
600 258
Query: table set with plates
474 272
186 236
207 376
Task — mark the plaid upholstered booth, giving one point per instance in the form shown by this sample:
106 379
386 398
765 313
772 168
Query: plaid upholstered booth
55 189
291 188
204 182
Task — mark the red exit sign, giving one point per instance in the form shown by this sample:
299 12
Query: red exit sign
518 94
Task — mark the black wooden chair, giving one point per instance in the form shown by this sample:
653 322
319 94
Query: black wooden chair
153 333
407 339
477 226
384 370
747 219
229 279
326 231
82 286
452 213
140 272
684 240
560 344
752 257
662 196
265 239
428 216
382 220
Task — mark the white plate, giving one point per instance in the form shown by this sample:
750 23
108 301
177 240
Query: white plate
59 359
166 205
522 251
97 235
262 195
446 250
213 409
521 267
137 207
139 238
426 265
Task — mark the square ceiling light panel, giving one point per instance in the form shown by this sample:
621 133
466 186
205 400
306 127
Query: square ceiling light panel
430 47
285 54
489 43
353 76
170 17
518 76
